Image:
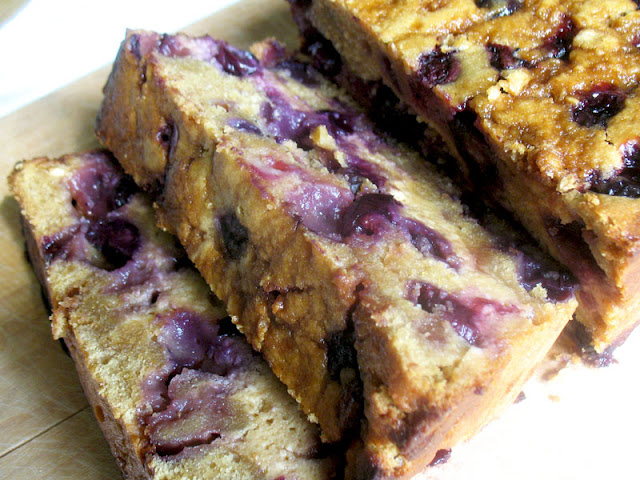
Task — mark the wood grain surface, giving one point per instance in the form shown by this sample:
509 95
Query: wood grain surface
582 424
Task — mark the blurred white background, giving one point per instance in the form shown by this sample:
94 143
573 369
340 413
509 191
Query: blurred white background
47 44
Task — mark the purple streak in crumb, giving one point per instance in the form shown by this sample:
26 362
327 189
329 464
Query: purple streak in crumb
63 245
196 412
374 213
319 207
598 105
359 169
469 316
437 67
285 122
429 242
135 272
193 340
228 354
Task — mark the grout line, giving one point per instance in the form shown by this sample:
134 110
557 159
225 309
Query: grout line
39 434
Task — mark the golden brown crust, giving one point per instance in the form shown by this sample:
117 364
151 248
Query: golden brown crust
549 88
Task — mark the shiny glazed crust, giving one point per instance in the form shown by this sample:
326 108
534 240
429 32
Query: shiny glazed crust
251 199
537 100
120 327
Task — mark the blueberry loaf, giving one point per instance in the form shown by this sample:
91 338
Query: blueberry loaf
177 391
344 258
537 100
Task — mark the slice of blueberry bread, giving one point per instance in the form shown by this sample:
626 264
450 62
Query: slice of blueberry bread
538 102
345 259
176 389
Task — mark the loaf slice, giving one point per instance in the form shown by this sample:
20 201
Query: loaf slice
178 393
343 257
538 102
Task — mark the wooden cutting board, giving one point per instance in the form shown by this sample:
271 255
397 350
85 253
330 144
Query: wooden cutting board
580 424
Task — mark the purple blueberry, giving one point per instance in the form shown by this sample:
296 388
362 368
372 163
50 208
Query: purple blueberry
536 269
99 188
598 105
325 57
244 126
195 412
299 71
285 122
435 300
559 44
369 214
234 61
502 57
442 456
626 182
319 207
187 337
437 67
467 315
339 123
235 236
116 239
429 241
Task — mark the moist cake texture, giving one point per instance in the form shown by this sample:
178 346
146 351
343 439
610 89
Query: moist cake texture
537 100
344 258
177 391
